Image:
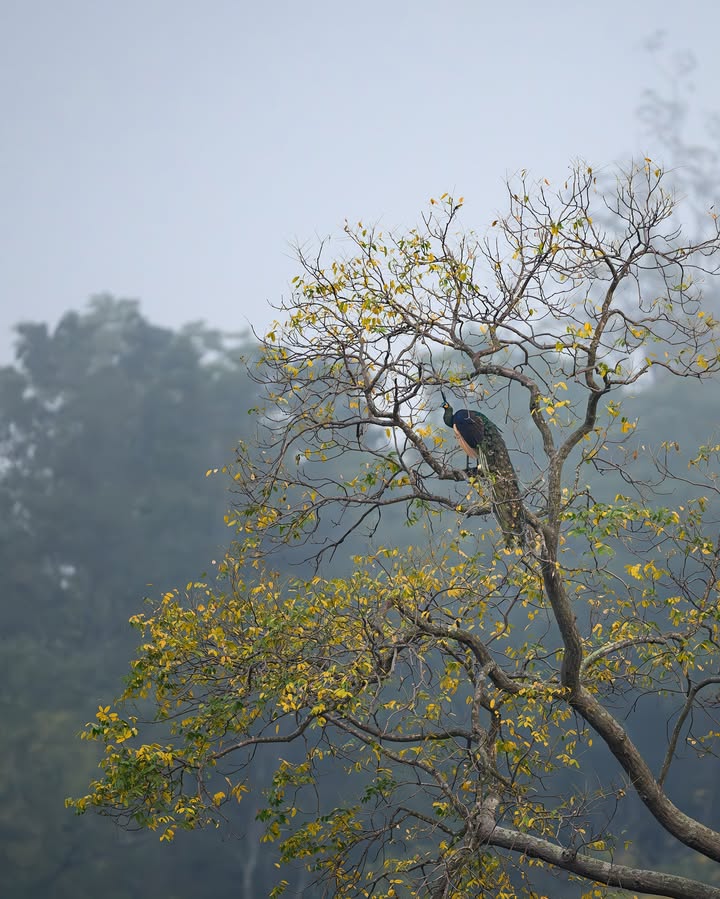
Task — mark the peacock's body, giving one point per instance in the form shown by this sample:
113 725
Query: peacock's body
481 440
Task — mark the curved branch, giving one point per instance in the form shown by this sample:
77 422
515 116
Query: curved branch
260 740
478 648
692 693
684 828
622 876
604 651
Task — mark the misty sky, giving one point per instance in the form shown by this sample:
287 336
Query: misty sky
174 151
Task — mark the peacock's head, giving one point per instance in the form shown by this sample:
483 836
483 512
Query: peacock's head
447 411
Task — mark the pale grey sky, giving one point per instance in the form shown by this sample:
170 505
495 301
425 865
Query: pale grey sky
173 151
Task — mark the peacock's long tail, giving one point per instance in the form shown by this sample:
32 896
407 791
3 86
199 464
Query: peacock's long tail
506 499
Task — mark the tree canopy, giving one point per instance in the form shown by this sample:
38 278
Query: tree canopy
105 401
107 426
467 689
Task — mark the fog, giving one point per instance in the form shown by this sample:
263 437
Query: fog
175 152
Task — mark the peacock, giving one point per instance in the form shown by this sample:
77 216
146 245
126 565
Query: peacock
481 440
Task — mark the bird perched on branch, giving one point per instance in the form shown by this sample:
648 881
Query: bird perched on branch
481 440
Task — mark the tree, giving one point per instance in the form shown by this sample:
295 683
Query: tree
468 690
107 426
670 114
